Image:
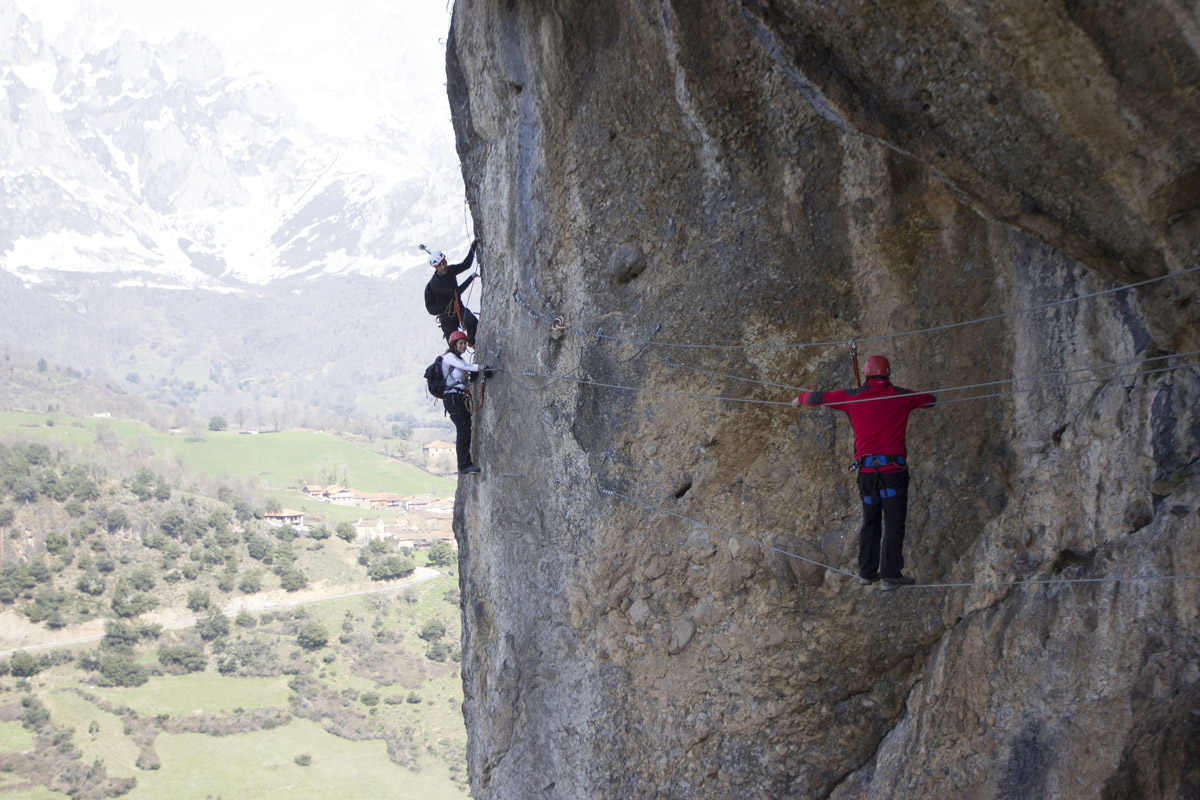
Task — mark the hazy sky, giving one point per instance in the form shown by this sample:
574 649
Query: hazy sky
348 62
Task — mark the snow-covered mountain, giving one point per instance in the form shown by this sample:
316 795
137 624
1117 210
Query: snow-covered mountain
166 165
235 234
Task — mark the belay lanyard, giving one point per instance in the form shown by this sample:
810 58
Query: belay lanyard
854 360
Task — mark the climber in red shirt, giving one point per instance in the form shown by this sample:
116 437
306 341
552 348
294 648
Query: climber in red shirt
878 414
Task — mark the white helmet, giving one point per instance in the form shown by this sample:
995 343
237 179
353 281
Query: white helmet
436 257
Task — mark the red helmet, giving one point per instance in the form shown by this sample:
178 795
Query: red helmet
454 337
877 367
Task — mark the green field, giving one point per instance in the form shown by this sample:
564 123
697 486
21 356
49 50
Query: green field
14 737
109 744
288 459
262 765
208 691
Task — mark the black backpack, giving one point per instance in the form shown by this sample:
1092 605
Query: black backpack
435 379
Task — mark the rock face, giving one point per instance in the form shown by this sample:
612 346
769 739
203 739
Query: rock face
654 577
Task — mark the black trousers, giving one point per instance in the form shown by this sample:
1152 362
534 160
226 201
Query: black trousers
884 498
460 415
449 323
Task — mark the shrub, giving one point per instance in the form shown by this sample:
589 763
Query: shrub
250 583
23 665
304 759
182 658
438 651
433 630
119 635
413 698
57 542
217 424
121 670
312 636
346 531
259 548
369 699
293 580
214 626
391 567
91 582
197 600
245 619
142 579
116 520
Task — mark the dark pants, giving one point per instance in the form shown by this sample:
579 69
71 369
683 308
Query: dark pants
460 415
884 495
449 323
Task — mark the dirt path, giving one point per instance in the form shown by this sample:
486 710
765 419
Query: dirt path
18 633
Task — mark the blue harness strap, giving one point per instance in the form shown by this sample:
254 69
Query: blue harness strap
879 461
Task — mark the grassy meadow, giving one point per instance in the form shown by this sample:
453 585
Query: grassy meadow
283 460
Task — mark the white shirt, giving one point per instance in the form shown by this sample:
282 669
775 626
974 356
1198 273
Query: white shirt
455 369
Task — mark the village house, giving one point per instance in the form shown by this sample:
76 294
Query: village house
285 516
439 455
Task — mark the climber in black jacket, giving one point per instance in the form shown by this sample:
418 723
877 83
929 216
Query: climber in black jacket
443 294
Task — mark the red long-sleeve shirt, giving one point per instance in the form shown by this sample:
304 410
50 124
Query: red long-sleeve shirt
878 414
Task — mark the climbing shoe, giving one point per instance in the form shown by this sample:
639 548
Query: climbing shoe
470 469
867 581
896 583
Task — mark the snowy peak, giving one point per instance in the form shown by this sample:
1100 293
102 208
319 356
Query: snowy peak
165 165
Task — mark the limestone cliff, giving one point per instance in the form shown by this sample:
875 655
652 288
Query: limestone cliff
754 173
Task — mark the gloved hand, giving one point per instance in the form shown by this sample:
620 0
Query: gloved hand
487 373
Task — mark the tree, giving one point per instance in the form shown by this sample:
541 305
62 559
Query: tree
23 665
214 626
197 600
182 658
116 520
42 365
121 670
91 582
250 583
390 567
142 579
57 542
217 424
312 636
173 523
37 454
441 554
293 580
119 635
438 651
346 531
433 630
7 515
259 548
24 489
